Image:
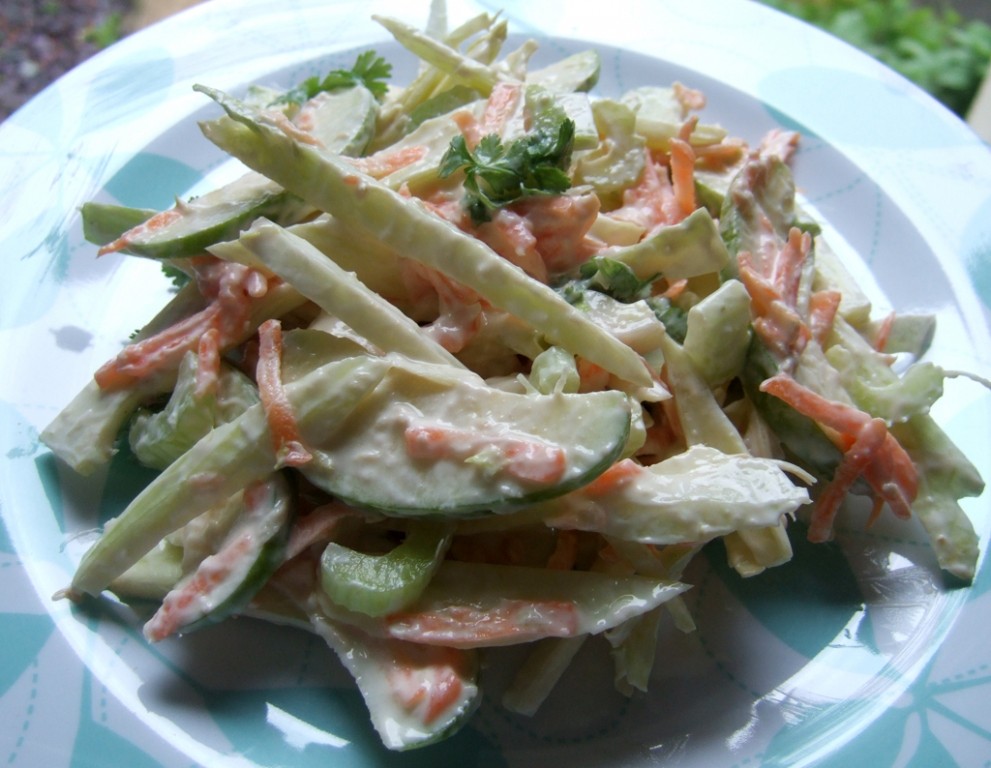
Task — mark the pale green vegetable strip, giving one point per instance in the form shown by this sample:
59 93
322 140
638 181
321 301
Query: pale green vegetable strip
702 420
540 672
231 457
634 650
330 183
705 422
447 59
341 294
85 432
692 496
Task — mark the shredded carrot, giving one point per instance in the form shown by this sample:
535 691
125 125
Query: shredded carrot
388 161
565 551
467 626
208 364
870 451
426 677
823 306
286 438
155 223
884 332
523 457
226 286
499 108
619 474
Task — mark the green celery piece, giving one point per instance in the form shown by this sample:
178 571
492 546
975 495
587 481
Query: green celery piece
893 399
105 222
341 294
224 462
387 670
331 184
945 477
687 249
693 496
457 66
378 585
158 438
522 603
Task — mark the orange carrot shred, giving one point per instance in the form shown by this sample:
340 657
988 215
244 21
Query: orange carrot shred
288 444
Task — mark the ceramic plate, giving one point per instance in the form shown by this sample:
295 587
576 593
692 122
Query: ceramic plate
857 653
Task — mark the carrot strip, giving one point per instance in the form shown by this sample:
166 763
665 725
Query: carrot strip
208 368
288 444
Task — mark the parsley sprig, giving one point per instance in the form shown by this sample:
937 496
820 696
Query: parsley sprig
369 69
497 174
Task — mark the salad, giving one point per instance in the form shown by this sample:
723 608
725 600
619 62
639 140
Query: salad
486 359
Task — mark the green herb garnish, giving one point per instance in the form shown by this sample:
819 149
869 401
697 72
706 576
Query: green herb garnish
612 277
497 175
369 70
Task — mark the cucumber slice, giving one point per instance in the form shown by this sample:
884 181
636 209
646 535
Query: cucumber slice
104 222
578 72
432 440
225 582
341 121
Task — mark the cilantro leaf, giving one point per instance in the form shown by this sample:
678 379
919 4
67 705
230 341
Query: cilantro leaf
608 276
369 70
497 175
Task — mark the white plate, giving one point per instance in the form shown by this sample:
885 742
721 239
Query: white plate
859 654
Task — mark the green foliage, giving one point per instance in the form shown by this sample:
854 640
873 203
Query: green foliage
103 34
369 69
936 49
497 175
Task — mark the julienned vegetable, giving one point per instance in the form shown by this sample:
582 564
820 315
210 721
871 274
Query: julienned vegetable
486 360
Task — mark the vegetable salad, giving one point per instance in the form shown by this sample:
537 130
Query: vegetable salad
486 359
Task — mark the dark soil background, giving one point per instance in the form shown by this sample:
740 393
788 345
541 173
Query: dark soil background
40 40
